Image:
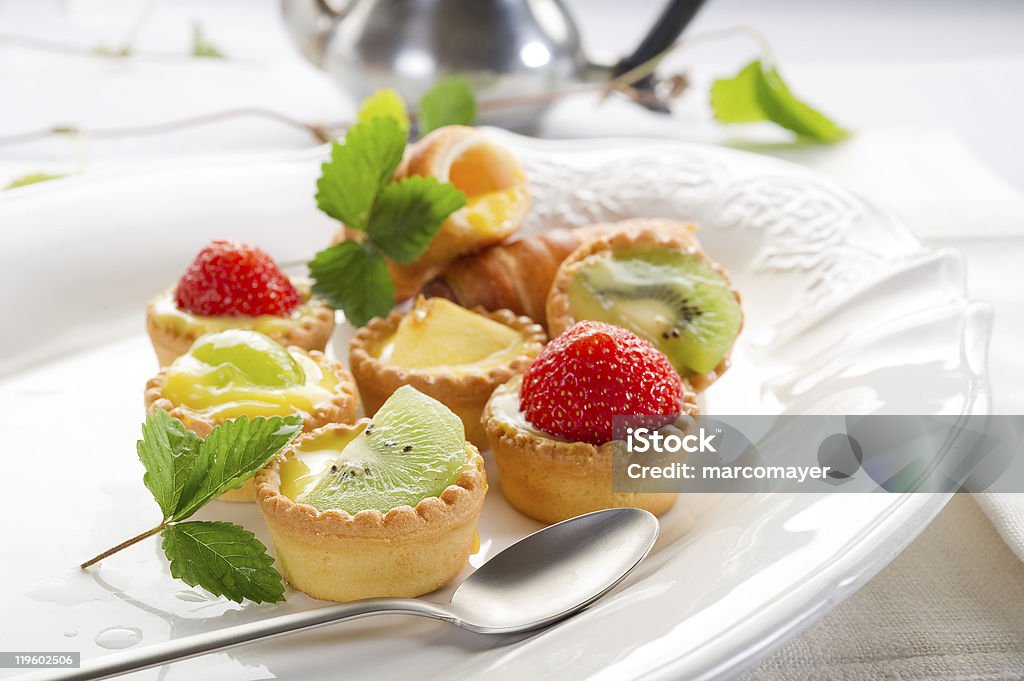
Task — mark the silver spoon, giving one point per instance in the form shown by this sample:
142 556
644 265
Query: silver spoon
539 580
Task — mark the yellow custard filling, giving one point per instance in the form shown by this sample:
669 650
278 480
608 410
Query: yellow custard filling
245 373
438 336
165 312
300 471
488 213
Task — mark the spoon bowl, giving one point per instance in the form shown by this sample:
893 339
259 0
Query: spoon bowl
541 579
554 572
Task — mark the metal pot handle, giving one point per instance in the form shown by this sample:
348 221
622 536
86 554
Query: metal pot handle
670 24
328 8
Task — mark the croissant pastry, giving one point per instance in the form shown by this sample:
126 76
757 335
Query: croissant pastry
517 275
497 199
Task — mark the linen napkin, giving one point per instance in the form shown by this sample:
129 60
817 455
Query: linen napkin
946 608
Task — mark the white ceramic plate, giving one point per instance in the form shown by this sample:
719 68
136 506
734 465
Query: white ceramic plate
846 313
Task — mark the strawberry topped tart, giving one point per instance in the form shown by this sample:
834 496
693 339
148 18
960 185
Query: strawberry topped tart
551 428
235 285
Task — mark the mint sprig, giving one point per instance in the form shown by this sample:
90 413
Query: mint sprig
201 45
33 178
170 454
183 473
758 93
397 218
359 170
223 558
409 213
234 452
384 103
449 102
353 277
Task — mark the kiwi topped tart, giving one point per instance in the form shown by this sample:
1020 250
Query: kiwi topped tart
385 508
240 372
652 278
455 355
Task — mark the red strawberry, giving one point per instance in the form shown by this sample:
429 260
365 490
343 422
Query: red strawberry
595 371
234 279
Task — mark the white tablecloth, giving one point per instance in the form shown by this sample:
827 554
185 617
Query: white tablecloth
933 87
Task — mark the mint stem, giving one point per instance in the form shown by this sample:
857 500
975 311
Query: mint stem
125 544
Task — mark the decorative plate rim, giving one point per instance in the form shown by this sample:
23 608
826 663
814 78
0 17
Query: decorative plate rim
784 623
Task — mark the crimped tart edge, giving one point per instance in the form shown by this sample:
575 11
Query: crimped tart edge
458 501
342 408
462 386
659 232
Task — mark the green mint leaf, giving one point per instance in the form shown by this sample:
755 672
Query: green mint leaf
760 94
225 559
168 451
409 213
201 47
449 102
359 169
231 454
33 178
385 104
353 277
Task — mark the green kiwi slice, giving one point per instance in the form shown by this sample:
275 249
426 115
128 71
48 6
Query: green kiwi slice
675 299
413 448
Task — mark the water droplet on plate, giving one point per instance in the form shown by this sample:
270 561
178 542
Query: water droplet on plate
71 633
116 638
191 596
70 588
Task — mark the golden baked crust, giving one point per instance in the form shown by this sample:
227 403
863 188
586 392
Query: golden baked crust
403 553
342 408
552 480
666 234
311 331
465 393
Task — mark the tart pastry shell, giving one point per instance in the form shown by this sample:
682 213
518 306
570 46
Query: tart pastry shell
660 233
464 393
309 332
342 408
553 480
404 553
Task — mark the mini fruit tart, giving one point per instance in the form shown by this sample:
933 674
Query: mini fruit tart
651 277
455 355
385 508
232 285
246 373
551 429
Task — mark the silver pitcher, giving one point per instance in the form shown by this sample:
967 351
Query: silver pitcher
506 48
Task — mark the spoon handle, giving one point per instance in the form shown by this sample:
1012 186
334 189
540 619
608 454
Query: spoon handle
157 654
